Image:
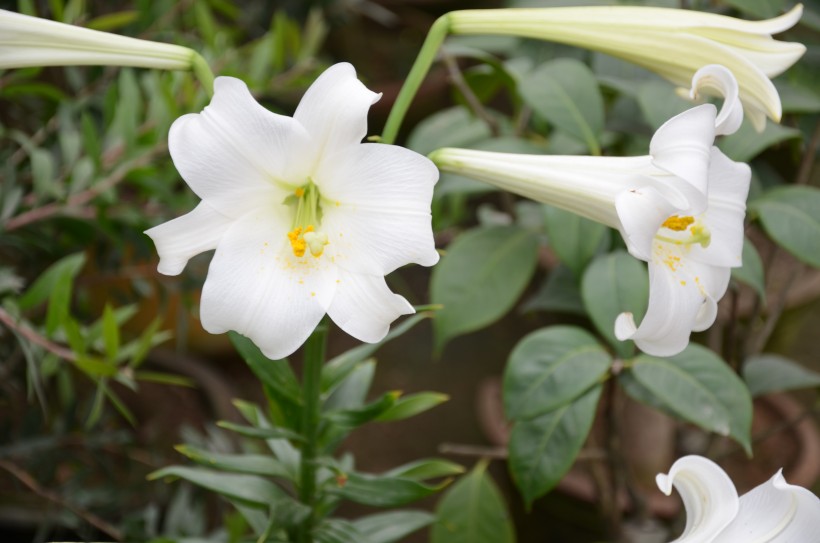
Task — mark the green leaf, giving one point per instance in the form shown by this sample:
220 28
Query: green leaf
767 373
453 127
699 387
382 490
797 99
111 334
113 21
338 531
759 9
473 511
559 293
248 489
751 272
393 526
550 368
338 368
659 102
612 284
164 378
480 278
94 367
59 302
43 173
420 470
542 449
791 217
145 342
39 292
353 418
276 374
746 143
278 439
411 405
260 433
565 93
573 238
351 393
253 464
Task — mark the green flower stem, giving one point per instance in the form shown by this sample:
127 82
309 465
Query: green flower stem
435 37
203 72
311 390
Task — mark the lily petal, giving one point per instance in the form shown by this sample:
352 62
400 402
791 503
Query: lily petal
775 512
708 494
364 306
256 286
234 153
718 79
333 111
642 212
181 239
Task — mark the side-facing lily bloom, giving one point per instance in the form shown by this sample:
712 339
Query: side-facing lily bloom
305 219
774 512
680 209
674 43
30 41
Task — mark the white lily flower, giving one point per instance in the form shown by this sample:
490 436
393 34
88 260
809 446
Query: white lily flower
674 43
305 219
774 512
30 41
680 209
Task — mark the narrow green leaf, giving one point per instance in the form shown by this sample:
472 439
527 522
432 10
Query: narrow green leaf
353 418
165 379
351 393
699 387
260 433
392 526
542 449
253 464
767 373
420 470
612 284
40 290
550 368
111 334
113 21
43 173
248 489
277 374
338 531
382 490
473 511
480 278
95 367
791 216
411 405
146 341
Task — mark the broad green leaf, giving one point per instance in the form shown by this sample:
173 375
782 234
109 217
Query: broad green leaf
767 373
759 9
339 367
542 449
453 127
253 464
566 93
550 368
746 143
573 238
473 511
277 374
612 284
751 272
659 102
382 490
393 526
111 333
791 217
699 387
480 278
248 489
411 405
338 531
420 470
560 293
797 99
39 292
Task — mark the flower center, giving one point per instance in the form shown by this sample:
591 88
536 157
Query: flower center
685 231
307 218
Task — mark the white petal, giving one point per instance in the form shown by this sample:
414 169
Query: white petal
378 209
775 512
719 79
333 111
235 151
682 146
257 287
642 211
715 281
677 292
364 306
181 239
708 494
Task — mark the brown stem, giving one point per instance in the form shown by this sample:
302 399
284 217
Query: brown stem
36 338
25 477
775 310
806 165
472 100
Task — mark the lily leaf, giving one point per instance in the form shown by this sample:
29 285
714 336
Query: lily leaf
767 373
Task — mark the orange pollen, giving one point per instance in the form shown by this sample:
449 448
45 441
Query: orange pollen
678 224
297 240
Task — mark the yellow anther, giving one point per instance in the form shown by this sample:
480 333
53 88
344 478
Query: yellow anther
678 224
299 192
300 239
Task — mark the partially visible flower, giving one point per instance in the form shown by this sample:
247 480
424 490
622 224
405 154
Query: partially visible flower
305 219
30 41
674 43
774 512
680 209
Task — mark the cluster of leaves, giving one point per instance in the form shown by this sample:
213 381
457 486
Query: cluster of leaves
513 100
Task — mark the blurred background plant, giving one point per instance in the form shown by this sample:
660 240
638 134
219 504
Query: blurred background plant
105 365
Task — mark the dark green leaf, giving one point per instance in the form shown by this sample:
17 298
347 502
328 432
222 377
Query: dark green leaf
560 293
44 285
420 470
473 511
550 368
791 216
253 464
411 405
248 489
767 373
353 418
111 334
382 490
573 238
659 102
393 526
277 374
260 433
339 531
542 449
453 127
751 272
746 143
